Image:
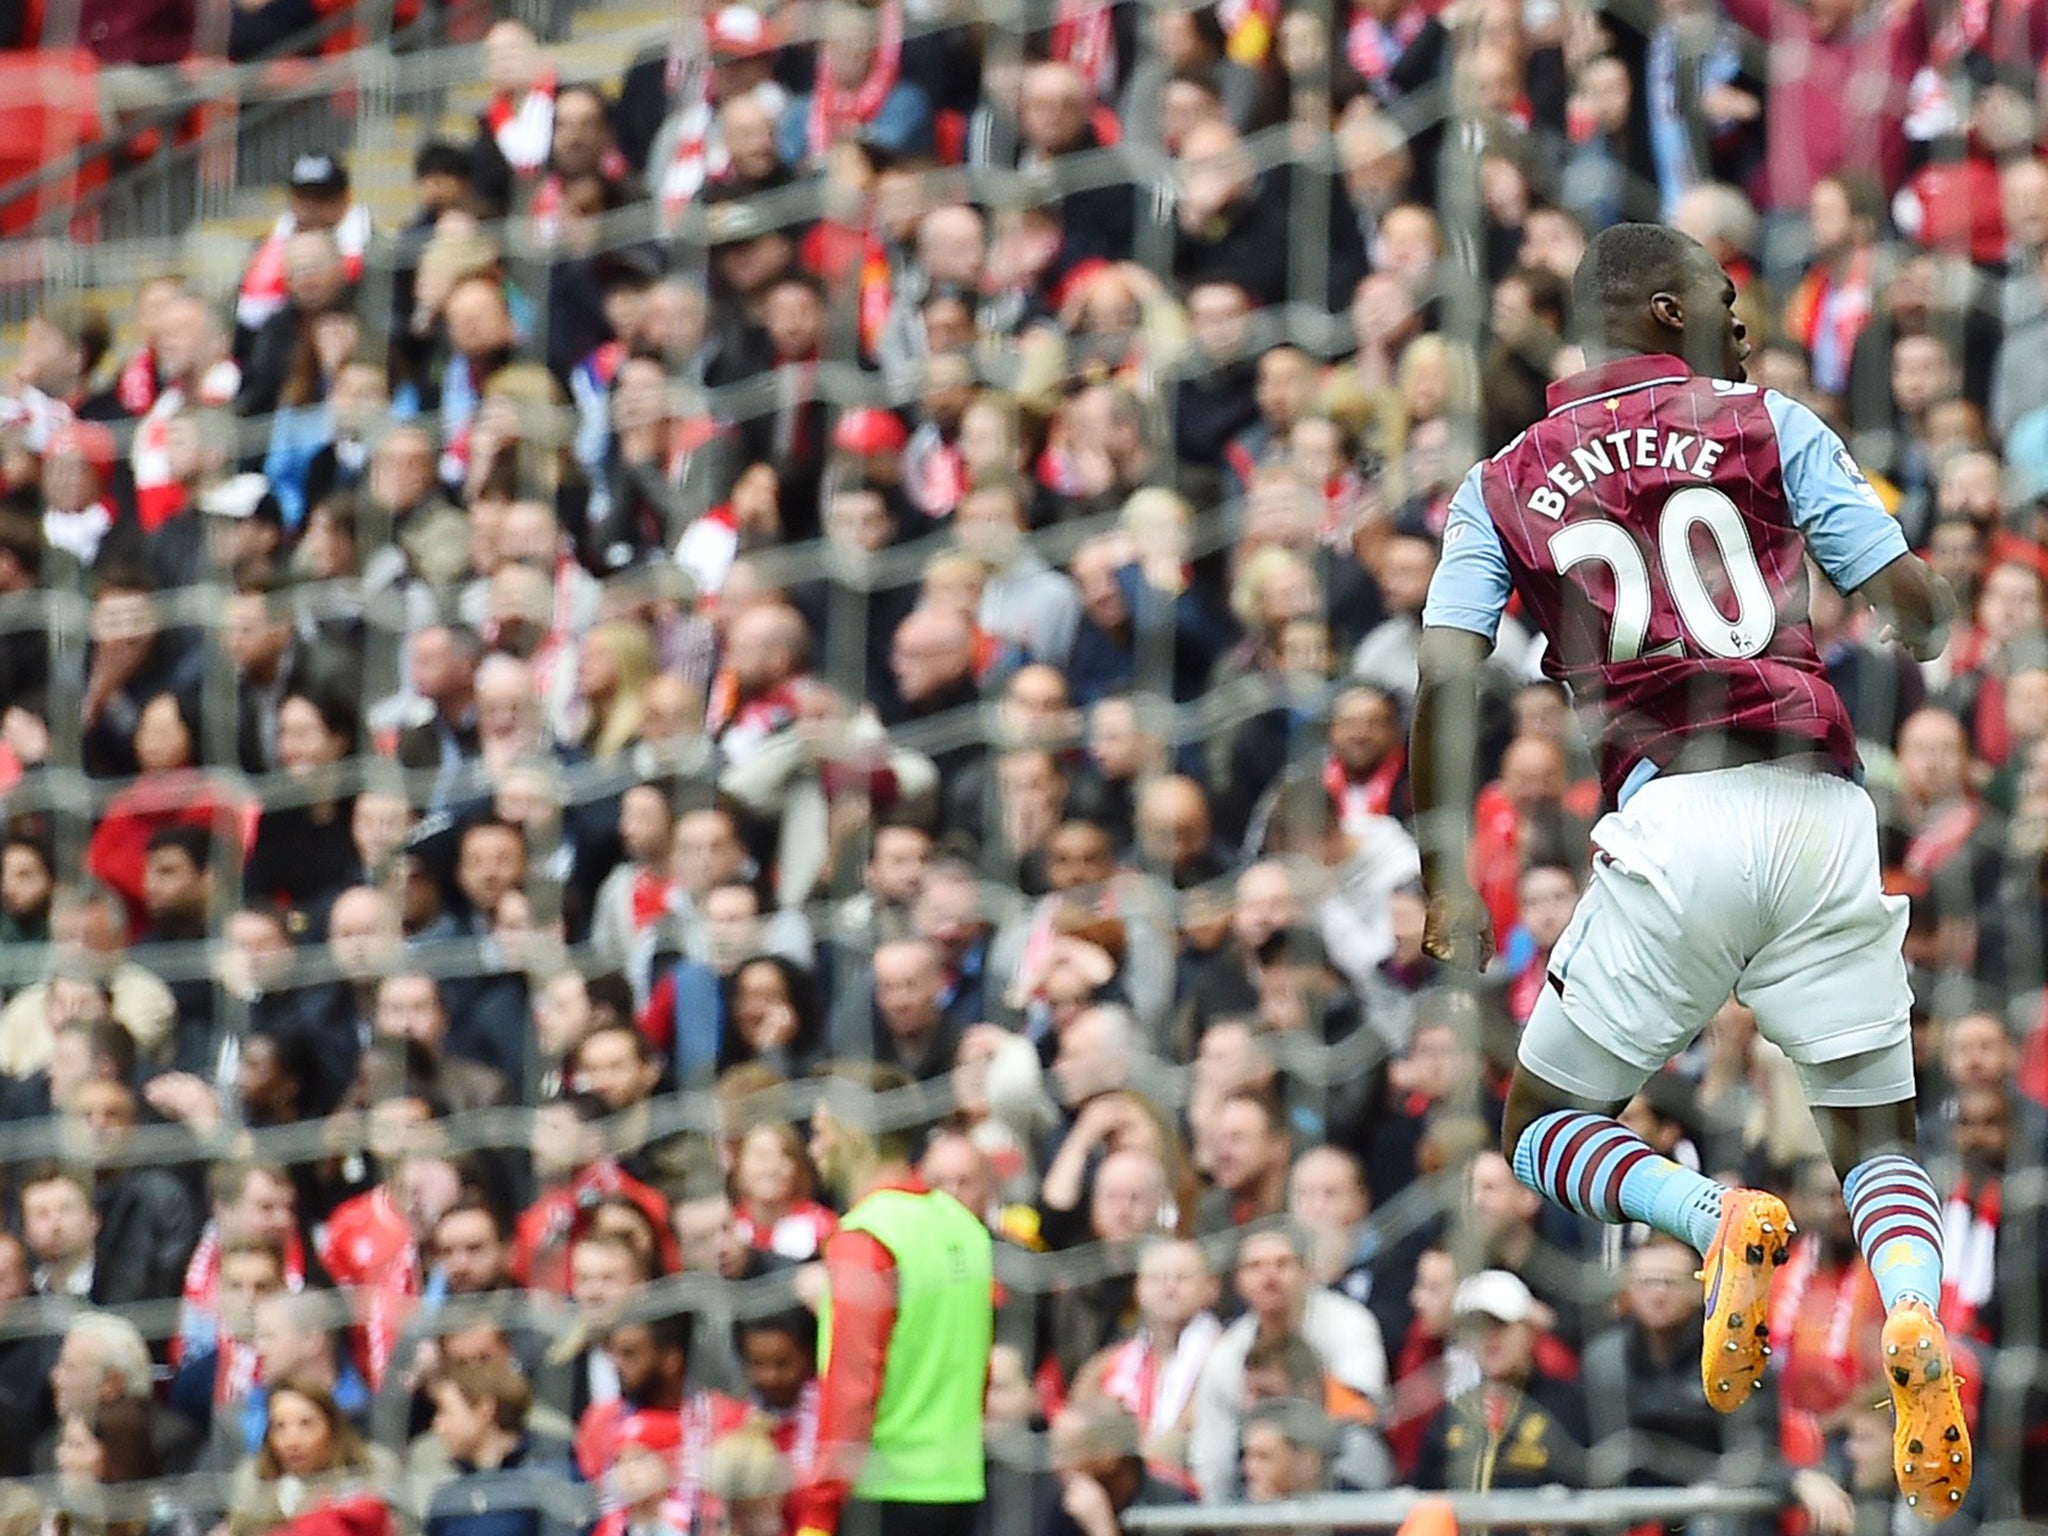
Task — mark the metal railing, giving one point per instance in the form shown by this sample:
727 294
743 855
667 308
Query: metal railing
1553 1508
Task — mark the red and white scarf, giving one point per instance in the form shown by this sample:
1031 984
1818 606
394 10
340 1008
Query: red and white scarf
199 1308
1159 1392
263 294
1819 1379
1359 799
697 156
795 1430
835 108
934 473
1969 1248
800 1232
524 134
1375 48
550 205
741 727
1931 108
136 387
1084 39
159 496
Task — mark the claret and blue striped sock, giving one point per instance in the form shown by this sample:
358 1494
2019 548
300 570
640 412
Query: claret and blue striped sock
1897 1220
1596 1166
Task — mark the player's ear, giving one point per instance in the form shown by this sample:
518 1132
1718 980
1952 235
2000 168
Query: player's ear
1669 310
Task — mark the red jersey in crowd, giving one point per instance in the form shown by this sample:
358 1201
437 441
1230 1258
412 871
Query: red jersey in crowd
367 1246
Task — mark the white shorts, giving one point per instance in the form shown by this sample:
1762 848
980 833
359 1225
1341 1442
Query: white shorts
1761 881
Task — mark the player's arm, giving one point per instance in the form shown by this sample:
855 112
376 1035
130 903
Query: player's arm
1467 597
863 1316
1850 535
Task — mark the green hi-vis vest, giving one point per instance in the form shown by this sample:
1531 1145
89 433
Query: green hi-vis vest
927 1442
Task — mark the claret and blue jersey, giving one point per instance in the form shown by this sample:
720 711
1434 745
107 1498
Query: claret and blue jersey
1654 525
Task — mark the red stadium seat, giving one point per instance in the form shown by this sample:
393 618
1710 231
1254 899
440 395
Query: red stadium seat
48 111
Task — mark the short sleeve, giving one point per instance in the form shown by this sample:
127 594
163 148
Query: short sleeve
1471 586
1847 529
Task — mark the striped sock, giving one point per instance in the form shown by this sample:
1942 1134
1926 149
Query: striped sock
1897 1220
1596 1166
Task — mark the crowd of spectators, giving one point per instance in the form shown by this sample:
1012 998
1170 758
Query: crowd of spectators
874 550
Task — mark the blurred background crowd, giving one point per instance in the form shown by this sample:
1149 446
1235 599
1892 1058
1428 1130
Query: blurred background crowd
882 546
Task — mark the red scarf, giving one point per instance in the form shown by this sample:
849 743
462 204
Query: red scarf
1941 839
877 292
941 482
1084 39
159 497
524 134
801 1232
1832 308
698 156
835 108
1967 30
650 897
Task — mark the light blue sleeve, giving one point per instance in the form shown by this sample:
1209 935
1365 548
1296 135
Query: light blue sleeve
1847 529
1471 586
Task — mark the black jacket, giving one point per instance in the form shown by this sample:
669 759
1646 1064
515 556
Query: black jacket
1252 244
149 1224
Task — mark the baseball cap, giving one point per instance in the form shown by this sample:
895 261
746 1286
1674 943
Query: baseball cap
868 431
1493 1293
319 174
238 497
740 32
651 1430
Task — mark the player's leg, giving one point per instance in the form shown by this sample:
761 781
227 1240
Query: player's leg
1830 991
1896 1216
1652 953
1560 1132
1586 1160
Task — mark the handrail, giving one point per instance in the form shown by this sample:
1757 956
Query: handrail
1578 1509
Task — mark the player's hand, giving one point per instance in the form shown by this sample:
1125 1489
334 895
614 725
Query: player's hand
1831 1510
1458 930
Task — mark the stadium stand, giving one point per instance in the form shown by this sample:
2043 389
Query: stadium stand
569 576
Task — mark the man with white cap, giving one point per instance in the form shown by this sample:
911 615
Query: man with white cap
1517 1428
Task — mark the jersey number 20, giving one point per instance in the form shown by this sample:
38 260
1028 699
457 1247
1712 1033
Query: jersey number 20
1694 506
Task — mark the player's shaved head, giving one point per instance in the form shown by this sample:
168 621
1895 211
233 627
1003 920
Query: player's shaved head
1626 263
1646 288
